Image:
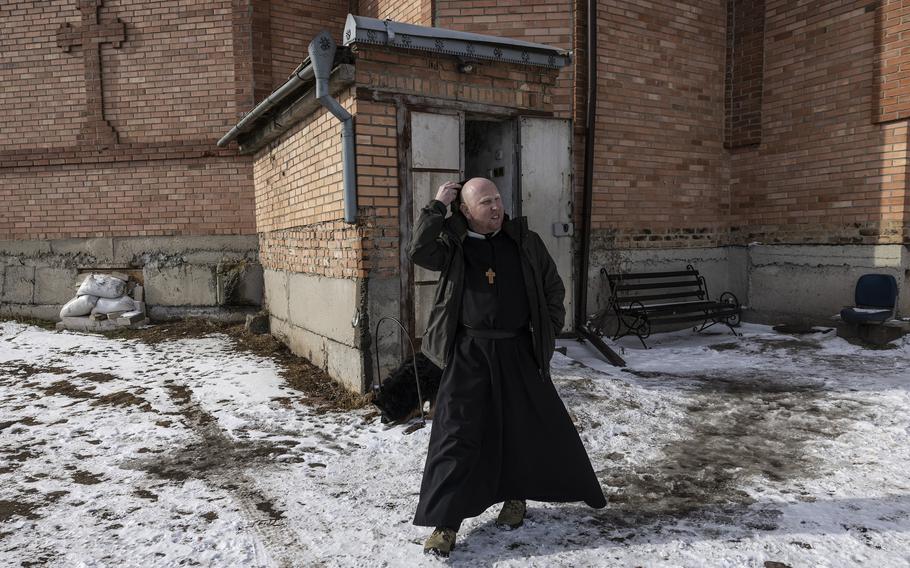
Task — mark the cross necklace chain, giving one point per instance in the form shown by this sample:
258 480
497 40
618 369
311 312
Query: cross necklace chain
490 274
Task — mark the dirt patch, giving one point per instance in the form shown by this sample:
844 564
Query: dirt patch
86 478
66 388
145 494
10 509
799 329
96 377
123 399
22 369
739 427
315 384
27 421
268 508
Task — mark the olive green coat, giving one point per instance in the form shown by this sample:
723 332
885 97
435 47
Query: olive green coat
436 244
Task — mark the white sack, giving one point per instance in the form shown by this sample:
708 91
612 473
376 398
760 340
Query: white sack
109 306
80 306
102 285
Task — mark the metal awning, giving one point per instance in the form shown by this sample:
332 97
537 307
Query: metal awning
360 29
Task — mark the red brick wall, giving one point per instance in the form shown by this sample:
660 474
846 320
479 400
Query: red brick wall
299 202
660 171
893 61
127 199
157 85
539 21
299 199
418 12
412 72
294 23
825 172
173 87
745 71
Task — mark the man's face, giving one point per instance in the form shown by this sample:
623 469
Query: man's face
482 205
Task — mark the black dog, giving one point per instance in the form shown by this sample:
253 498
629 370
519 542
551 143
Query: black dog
397 399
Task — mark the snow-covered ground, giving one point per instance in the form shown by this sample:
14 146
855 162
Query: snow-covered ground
713 450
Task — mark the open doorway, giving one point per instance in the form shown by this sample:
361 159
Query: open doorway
489 151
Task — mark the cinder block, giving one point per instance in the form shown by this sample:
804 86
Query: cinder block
55 285
99 249
250 288
24 248
180 286
240 284
342 362
19 285
85 323
324 306
276 293
128 249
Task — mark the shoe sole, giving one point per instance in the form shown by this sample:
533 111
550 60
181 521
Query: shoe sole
507 525
437 552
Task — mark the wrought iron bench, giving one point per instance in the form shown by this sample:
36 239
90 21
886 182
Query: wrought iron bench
640 300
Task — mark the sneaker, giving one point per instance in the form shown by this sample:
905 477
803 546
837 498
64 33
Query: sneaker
441 542
512 514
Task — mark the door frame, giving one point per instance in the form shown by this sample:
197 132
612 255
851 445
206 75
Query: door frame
404 106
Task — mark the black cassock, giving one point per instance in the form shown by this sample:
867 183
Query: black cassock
500 430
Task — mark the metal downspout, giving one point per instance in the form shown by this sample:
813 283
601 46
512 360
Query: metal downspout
322 57
581 306
300 76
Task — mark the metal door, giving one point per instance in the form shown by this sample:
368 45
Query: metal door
545 174
437 150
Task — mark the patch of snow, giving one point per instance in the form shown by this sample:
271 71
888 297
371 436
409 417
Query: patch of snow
714 450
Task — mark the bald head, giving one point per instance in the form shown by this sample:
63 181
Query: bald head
481 205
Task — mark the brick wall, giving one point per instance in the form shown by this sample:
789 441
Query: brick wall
825 172
158 85
299 202
298 181
539 21
294 23
418 12
892 59
660 171
412 72
126 199
745 71
169 91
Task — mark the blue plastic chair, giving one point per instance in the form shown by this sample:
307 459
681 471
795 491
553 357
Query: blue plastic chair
875 298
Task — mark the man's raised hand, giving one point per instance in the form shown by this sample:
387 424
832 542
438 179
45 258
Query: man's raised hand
447 192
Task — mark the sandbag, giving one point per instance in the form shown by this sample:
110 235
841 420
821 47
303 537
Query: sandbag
109 306
102 285
79 306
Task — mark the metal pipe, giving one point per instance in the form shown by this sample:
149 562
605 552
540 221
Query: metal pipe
322 57
303 74
581 306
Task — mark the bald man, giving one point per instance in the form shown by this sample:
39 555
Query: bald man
500 431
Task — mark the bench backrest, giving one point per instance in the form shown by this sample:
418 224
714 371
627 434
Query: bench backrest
651 288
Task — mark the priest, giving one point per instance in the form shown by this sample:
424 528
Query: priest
500 431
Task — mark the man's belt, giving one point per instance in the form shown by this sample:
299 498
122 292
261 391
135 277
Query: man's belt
494 333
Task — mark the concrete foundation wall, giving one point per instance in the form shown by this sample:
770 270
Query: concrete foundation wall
815 282
724 268
775 283
314 316
216 276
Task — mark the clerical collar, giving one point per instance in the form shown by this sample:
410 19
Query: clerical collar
474 235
